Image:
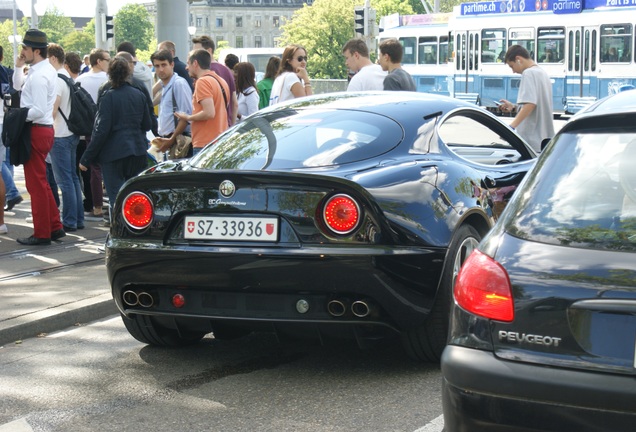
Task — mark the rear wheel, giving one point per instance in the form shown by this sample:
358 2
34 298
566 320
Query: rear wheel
146 330
427 341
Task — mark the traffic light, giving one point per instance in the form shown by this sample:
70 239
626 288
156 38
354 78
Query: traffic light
107 27
110 27
360 20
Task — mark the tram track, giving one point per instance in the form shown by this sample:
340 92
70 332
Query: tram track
61 255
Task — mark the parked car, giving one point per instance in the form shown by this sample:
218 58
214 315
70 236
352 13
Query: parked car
543 324
343 215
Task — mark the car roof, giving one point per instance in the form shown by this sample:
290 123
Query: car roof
381 102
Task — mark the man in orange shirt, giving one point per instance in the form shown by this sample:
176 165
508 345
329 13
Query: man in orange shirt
209 115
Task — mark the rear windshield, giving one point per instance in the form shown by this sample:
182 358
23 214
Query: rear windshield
582 194
284 139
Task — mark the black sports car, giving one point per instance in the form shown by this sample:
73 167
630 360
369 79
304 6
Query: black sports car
543 328
344 215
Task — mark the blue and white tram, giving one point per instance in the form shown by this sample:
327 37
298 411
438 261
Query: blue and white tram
586 50
425 39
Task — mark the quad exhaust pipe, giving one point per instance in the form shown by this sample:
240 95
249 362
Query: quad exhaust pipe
359 308
143 299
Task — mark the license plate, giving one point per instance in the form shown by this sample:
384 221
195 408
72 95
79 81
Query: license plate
231 228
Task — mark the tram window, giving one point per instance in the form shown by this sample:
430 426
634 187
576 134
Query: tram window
408 44
443 50
594 50
616 43
551 45
571 50
523 36
427 50
493 45
586 57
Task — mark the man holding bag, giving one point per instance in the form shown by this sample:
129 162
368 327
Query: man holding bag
176 96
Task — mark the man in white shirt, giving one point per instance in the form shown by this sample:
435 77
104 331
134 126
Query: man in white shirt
368 76
64 151
38 97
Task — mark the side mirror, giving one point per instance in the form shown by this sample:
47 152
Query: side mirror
545 142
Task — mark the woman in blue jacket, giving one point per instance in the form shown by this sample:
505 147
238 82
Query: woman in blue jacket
119 142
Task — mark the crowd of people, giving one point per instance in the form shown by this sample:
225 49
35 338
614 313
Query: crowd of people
184 105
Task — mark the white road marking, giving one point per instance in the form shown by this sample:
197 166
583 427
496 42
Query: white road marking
435 425
20 425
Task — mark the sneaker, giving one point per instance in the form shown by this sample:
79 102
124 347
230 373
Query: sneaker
13 202
69 229
56 235
4 229
34 241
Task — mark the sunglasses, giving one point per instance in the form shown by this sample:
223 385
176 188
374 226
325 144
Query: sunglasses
301 58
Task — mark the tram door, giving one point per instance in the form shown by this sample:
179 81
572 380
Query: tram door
467 62
582 62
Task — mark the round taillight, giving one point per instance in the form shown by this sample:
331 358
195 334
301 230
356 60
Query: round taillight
341 214
137 210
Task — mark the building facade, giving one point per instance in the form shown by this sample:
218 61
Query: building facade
243 23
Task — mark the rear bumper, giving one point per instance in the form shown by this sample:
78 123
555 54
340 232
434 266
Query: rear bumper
242 284
483 393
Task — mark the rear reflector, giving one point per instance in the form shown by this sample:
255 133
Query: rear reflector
137 210
341 214
483 288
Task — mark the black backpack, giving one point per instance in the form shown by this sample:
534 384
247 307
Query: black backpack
83 109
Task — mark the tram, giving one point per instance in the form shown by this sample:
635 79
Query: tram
586 47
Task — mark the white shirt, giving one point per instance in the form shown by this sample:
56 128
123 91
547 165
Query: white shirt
92 81
39 92
248 105
281 89
61 89
370 77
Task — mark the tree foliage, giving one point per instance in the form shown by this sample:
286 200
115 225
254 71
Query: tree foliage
388 7
55 25
81 42
132 23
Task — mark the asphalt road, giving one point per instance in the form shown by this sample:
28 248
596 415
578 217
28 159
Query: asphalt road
96 378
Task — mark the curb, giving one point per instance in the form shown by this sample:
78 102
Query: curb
57 318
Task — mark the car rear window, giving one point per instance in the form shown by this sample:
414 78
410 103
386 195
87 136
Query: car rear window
288 138
582 194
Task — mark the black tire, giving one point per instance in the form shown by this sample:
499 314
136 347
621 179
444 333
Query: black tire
426 342
144 329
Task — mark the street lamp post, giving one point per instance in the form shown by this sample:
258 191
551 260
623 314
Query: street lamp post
191 31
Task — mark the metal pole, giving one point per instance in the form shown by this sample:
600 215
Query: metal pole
15 34
34 15
100 8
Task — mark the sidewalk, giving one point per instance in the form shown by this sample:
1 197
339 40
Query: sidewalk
48 288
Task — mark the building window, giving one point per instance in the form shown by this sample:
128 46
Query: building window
219 22
239 42
239 21
257 42
199 22
276 21
257 21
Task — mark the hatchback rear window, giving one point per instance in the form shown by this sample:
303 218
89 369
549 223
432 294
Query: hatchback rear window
582 194
290 138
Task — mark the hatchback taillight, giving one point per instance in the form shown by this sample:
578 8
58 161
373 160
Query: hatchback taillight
341 214
483 288
137 210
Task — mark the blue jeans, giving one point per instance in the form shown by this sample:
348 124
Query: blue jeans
117 172
64 162
7 177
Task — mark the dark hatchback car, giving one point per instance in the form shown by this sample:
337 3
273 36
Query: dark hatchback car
341 215
543 328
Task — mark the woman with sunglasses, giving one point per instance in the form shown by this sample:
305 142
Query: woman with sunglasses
292 80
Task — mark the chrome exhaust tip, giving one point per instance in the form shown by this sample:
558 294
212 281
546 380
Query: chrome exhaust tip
336 308
360 308
130 298
145 300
